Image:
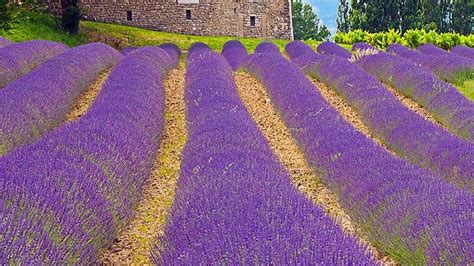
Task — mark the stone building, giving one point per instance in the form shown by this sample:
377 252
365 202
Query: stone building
240 18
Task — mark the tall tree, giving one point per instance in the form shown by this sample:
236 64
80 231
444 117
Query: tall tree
306 24
411 14
463 17
5 16
343 20
71 16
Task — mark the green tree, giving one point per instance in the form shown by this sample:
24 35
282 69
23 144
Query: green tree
306 24
343 20
71 16
5 16
463 17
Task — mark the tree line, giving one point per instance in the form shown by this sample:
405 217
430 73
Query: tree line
402 15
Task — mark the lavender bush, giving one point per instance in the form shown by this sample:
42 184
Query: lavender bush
18 59
65 197
441 99
413 216
463 51
330 48
40 101
4 42
235 53
454 69
235 203
403 131
361 46
267 47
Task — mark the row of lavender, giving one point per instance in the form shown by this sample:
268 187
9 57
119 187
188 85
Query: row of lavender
408 213
39 101
448 66
441 99
402 130
235 203
65 197
17 59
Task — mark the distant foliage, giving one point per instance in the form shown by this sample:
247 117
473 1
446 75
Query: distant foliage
306 24
71 16
403 15
411 38
5 16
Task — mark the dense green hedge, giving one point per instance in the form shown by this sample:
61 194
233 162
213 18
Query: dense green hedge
411 38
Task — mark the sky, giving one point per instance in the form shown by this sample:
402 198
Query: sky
327 12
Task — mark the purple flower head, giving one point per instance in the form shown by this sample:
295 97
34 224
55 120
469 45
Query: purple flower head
463 51
267 47
18 59
413 216
330 48
67 196
362 46
40 100
235 203
235 53
4 42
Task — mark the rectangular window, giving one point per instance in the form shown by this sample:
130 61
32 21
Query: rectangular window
188 14
129 16
252 21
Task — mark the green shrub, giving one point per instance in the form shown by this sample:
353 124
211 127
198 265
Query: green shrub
411 38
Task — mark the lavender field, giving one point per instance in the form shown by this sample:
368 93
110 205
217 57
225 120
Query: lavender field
153 155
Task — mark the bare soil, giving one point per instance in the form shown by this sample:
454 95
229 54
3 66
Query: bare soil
415 107
347 112
305 178
87 97
134 244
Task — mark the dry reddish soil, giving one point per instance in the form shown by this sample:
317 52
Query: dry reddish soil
87 97
134 244
305 178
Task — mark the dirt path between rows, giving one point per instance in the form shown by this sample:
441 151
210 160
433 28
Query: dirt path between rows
415 107
305 178
87 97
134 244
347 112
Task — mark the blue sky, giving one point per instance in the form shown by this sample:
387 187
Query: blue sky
327 12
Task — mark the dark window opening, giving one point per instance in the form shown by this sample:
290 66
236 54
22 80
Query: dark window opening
235 11
188 14
129 16
252 21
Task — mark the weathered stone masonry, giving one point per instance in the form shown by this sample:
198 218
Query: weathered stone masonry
240 18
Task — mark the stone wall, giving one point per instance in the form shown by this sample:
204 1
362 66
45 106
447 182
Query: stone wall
208 17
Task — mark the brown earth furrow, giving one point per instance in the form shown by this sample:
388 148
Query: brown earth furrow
87 97
134 244
305 177
415 107
347 112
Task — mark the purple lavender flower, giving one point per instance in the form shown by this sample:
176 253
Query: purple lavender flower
235 203
66 197
402 130
447 66
128 50
267 47
40 100
17 59
463 51
330 48
413 216
438 97
4 42
362 46
235 53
